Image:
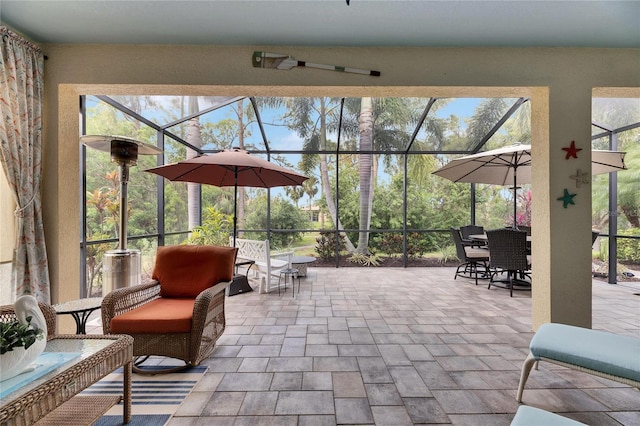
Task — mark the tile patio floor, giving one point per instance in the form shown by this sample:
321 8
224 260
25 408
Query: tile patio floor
398 347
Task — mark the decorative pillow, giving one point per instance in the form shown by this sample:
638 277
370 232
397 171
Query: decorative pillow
185 271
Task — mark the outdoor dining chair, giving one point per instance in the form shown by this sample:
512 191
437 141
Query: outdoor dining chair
509 254
525 228
473 259
468 230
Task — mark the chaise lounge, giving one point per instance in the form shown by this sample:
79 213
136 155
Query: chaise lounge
531 416
599 353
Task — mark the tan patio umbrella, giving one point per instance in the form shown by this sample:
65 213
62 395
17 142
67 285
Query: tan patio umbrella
234 167
511 165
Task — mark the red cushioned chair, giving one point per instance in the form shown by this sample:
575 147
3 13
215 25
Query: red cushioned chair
180 313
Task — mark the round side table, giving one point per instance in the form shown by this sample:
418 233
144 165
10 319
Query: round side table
80 310
301 263
286 273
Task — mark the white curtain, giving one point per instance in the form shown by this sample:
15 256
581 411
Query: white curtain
21 91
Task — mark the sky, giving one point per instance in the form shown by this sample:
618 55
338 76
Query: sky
279 137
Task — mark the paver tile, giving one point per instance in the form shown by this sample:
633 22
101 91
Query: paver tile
305 402
414 347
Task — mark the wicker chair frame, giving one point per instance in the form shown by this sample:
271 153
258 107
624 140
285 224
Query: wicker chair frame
8 314
208 324
509 253
531 361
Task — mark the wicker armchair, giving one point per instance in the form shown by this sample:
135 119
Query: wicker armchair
180 314
508 254
8 314
473 260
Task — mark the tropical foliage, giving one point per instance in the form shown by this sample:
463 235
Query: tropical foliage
362 156
215 229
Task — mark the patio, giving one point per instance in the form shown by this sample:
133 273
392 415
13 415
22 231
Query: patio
397 346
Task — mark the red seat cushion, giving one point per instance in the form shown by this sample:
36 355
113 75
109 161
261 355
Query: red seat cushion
158 316
184 271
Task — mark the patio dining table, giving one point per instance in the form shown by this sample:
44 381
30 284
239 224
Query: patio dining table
483 237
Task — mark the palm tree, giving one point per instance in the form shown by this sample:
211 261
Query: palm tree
194 138
628 195
295 193
380 126
485 117
308 117
241 191
311 189
365 167
612 114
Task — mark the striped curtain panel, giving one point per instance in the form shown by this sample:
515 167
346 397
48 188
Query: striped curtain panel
21 92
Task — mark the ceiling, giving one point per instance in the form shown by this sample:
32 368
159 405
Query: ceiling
600 23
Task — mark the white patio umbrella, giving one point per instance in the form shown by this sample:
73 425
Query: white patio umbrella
511 165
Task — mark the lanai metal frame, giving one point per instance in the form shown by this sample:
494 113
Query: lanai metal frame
163 132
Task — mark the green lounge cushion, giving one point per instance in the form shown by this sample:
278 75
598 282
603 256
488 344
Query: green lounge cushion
595 350
531 416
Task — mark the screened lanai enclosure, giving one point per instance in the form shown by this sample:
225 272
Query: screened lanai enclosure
371 198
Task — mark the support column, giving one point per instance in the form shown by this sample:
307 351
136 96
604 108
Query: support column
561 236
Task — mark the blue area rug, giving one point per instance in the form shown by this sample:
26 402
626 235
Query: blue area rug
154 398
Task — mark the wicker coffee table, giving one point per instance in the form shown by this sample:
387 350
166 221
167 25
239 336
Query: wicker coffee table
49 399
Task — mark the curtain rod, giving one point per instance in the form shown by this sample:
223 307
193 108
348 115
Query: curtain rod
18 38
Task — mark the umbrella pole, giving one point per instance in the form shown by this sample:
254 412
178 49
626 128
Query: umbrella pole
515 200
235 205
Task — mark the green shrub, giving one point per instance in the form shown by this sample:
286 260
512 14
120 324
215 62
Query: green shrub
417 245
629 248
389 243
215 229
447 254
284 217
326 245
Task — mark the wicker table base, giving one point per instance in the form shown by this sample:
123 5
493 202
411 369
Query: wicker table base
81 410
99 355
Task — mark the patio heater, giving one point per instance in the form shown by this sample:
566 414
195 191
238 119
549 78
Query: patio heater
121 267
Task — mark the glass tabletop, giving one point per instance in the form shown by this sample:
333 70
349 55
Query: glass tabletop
78 305
302 259
79 349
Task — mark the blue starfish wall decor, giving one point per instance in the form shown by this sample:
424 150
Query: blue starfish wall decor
567 198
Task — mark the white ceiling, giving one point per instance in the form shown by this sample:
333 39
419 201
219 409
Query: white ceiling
550 23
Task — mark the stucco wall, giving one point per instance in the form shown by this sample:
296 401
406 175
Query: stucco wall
560 83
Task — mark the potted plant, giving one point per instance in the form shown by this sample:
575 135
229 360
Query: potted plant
14 334
21 339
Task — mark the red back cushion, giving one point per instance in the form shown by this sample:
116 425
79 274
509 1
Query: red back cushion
185 271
